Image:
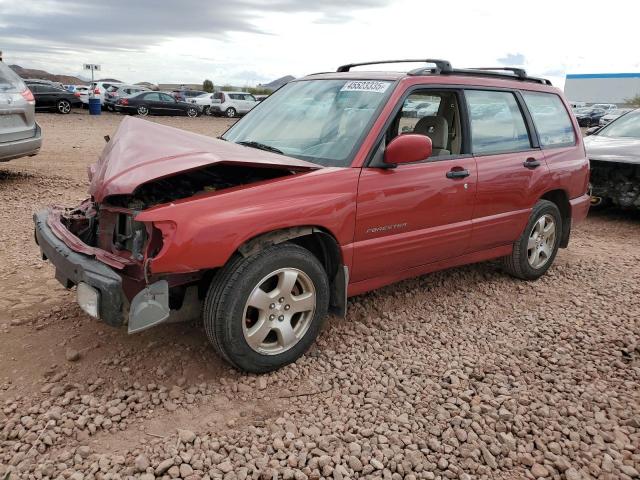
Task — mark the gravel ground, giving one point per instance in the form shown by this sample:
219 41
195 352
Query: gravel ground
462 374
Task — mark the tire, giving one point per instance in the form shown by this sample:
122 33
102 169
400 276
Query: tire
143 110
192 112
230 320
63 106
205 110
230 112
523 262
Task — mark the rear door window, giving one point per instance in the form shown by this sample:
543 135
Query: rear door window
497 123
551 119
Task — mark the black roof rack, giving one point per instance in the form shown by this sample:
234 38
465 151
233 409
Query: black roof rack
442 66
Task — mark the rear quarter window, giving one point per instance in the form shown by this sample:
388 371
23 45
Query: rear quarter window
551 119
9 80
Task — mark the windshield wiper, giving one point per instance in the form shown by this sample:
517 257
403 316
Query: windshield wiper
260 146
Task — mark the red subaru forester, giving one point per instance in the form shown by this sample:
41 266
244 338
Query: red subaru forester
336 184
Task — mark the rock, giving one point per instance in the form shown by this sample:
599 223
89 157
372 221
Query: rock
186 436
185 470
72 355
538 470
141 463
225 467
164 466
377 464
572 474
355 463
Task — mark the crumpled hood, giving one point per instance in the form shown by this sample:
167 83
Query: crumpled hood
141 151
613 149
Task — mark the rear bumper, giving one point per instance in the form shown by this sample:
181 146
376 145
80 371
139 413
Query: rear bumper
73 268
21 148
580 208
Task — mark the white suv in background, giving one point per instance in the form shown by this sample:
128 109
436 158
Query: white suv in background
98 89
231 104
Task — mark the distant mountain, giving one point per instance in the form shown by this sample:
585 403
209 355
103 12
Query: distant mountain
44 75
277 83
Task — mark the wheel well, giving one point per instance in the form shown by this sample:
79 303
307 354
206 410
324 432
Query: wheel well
561 199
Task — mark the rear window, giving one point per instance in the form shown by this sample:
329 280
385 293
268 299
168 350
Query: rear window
9 80
551 119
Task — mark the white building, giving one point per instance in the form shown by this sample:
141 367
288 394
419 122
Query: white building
602 87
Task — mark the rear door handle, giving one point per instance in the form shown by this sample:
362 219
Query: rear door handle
531 163
458 173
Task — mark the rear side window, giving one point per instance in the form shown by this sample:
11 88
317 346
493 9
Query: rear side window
551 119
497 124
9 80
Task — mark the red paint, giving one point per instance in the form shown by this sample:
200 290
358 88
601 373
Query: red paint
408 148
390 223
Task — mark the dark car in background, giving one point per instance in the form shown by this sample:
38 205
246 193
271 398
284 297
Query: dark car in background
588 117
155 103
614 156
115 92
185 95
20 135
50 97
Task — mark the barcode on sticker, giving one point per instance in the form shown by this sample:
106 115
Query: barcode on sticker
365 86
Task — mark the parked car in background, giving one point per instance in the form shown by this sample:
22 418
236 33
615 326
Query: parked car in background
156 103
83 92
232 104
43 81
576 105
115 92
49 97
20 134
614 155
607 107
589 116
613 114
186 95
98 89
260 98
204 101
315 196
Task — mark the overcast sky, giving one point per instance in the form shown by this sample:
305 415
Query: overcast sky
245 42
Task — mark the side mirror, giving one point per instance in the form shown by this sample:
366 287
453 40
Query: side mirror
408 148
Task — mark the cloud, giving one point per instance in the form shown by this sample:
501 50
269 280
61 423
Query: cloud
512 59
125 25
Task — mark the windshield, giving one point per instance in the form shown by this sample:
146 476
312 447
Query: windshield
625 126
320 121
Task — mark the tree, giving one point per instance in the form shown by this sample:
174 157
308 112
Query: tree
207 86
633 101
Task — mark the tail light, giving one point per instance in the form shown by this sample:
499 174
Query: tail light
97 91
77 94
123 101
28 96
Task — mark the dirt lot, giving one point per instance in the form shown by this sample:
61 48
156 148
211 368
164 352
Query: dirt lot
463 374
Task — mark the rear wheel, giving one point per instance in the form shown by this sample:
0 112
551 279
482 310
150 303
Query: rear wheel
230 112
263 312
63 106
205 110
534 252
143 111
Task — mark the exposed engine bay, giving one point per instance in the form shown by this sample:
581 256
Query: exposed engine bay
187 184
616 183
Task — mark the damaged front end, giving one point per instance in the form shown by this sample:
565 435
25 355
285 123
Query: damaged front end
615 183
99 245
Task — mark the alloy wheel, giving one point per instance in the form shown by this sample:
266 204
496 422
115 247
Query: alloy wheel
64 106
542 241
231 112
143 111
192 112
279 311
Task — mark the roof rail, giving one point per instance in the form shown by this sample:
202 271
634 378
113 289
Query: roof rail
518 72
500 72
442 66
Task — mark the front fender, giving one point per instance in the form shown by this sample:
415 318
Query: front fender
208 230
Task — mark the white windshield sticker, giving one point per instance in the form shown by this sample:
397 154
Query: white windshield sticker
365 86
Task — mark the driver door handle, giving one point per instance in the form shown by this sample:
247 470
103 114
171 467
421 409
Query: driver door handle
531 163
458 173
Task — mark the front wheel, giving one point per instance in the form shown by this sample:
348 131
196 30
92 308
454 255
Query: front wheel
534 252
63 106
192 112
263 312
205 110
231 112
